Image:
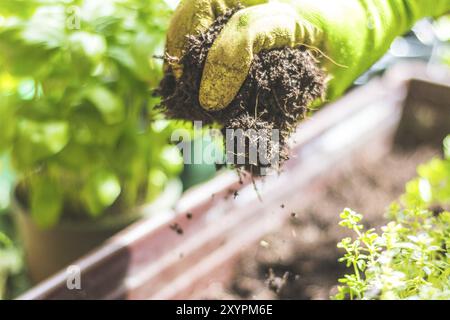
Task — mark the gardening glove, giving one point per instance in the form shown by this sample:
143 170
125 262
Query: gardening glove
192 17
350 35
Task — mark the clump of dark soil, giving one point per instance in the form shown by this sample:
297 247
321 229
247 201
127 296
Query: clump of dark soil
279 88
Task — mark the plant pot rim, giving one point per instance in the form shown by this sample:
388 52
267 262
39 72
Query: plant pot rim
165 200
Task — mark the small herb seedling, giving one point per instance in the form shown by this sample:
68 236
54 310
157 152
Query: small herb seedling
410 259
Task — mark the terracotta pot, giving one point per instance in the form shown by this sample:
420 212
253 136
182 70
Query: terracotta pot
48 251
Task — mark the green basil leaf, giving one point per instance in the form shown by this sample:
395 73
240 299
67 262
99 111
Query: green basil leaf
100 192
109 105
447 147
39 140
46 202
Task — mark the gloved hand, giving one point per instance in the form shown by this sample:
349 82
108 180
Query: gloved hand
350 34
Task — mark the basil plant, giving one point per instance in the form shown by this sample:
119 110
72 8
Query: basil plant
77 115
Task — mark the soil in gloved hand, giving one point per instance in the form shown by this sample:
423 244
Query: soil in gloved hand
279 88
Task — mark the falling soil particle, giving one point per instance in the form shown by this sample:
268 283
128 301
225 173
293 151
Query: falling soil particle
189 216
176 227
231 192
280 87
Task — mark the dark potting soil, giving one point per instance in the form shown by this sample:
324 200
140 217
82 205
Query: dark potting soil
279 88
300 261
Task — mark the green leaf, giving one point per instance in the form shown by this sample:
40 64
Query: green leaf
89 44
108 104
425 190
7 126
89 129
39 140
100 192
171 159
447 147
5 241
156 183
46 202
46 27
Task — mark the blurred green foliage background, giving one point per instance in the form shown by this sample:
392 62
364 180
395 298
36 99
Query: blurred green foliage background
77 121
76 79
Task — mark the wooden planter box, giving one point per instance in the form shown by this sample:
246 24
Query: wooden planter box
219 219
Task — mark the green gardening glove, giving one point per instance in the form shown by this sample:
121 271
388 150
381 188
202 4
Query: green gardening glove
193 17
351 35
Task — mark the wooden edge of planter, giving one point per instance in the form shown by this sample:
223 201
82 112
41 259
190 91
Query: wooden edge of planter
149 260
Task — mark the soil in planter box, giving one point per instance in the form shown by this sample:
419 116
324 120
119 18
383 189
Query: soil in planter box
276 94
300 261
